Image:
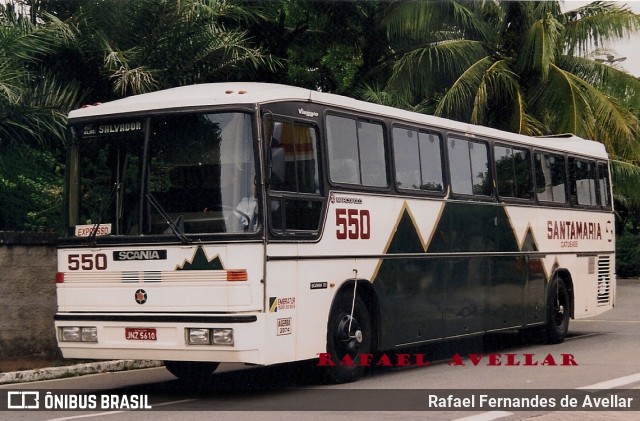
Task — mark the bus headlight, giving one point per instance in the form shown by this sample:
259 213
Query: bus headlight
199 336
89 334
223 336
70 334
78 334
214 336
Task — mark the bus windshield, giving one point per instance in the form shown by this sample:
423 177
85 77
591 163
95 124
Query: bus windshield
173 174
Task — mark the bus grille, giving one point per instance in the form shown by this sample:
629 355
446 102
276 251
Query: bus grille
604 280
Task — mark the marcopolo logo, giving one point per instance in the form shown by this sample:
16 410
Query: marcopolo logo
347 200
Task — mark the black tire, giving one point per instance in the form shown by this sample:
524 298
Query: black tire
340 342
191 371
558 312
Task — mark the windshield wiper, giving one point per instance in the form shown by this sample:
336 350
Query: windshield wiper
91 238
173 225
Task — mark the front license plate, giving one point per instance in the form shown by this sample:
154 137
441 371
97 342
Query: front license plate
140 334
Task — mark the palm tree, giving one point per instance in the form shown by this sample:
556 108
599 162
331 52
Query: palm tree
33 106
523 67
350 43
520 66
33 101
135 46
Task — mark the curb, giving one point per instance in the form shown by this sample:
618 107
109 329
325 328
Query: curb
74 370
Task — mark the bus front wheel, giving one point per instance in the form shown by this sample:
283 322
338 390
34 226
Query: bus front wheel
558 312
192 371
349 336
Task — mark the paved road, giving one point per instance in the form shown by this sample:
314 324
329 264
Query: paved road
604 350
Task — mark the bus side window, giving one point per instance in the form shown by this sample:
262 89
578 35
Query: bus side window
583 182
356 152
604 187
469 167
550 177
372 159
293 157
513 172
418 160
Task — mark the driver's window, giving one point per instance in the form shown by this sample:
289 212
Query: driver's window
291 208
298 143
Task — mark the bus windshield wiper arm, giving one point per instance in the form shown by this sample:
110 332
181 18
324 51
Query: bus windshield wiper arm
176 230
91 238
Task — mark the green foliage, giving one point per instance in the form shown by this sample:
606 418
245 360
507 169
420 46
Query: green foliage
33 102
514 65
628 255
30 190
531 76
333 46
138 46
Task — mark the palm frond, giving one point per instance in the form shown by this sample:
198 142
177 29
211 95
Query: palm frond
165 44
498 86
33 103
417 20
27 42
625 180
420 20
541 46
610 80
40 117
126 79
430 68
597 24
581 103
133 81
458 103
542 9
12 79
229 47
389 98
562 97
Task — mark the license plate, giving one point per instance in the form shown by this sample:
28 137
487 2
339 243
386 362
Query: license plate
140 334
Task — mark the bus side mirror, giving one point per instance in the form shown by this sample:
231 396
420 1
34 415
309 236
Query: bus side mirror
277 165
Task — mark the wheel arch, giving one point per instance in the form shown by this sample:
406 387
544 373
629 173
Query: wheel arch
565 275
364 289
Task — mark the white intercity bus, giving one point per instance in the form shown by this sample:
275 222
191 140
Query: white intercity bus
262 224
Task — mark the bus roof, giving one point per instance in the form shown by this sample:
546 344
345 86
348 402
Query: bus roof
229 93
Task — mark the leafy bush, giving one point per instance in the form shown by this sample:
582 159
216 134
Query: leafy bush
30 190
628 255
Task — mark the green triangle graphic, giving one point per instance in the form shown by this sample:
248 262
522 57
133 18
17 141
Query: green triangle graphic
529 243
200 261
405 238
472 227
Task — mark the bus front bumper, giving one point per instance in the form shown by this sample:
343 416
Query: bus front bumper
236 338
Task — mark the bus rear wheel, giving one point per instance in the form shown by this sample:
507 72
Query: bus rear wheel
348 338
192 371
558 312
